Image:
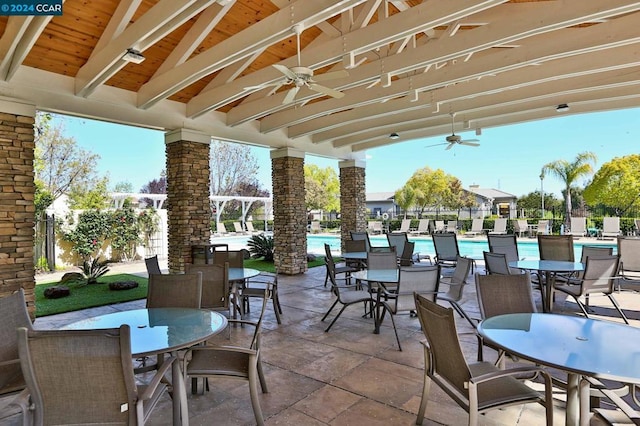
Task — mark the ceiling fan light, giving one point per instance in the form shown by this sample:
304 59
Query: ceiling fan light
133 55
562 108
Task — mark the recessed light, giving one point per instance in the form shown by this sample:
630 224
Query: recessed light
562 108
394 135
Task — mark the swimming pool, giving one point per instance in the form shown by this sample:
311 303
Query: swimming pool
468 247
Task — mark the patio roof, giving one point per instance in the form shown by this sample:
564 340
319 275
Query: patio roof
411 64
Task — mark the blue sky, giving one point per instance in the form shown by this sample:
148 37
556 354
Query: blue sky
509 158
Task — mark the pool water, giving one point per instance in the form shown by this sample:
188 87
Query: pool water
470 248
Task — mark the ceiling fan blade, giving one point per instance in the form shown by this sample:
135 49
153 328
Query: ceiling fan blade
326 90
291 94
450 146
331 75
262 86
469 142
437 144
286 71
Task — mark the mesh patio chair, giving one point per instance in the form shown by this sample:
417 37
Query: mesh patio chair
507 245
578 227
446 248
598 278
610 227
237 227
232 361
407 258
503 294
13 314
499 227
476 387
174 291
439 227
423 227
629 270
496 263
362 236
347 296
337 269
556 247
520 227
477 226
456 283
397 240
153 267
85 377
235 258
543 227
405 225
257 287
423 280
215 286
452 226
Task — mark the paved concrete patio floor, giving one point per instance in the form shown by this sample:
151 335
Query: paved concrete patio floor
348 376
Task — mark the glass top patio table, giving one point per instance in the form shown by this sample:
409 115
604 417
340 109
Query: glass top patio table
549 267
240 274
160 330
580 346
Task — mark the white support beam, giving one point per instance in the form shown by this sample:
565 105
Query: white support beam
159 21
262 34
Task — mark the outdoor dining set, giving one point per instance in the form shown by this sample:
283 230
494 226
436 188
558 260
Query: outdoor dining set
391 280
161 345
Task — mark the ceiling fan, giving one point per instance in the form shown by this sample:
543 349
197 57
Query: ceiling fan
300 76
453 139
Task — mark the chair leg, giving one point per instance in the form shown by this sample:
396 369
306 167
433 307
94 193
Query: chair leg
615 304
330 309
336 317
253 392
263 382
393 322
276 308
425 398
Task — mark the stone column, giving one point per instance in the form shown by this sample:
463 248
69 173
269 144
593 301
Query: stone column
188 207
17 209
289 211
353 206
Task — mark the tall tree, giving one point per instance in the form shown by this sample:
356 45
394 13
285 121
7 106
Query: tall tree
569 173
322 188
431 187
616 184
405 197
59 163
232 165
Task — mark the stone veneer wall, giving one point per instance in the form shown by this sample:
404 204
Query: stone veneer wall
17 209
353 207
289 215
188 207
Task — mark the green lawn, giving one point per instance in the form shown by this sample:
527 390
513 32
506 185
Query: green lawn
90 296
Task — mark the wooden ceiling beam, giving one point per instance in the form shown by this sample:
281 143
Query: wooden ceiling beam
547 46
159 21
264 33
20 34
396 27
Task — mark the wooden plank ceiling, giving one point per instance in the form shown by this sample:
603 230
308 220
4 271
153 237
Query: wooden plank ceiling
402 66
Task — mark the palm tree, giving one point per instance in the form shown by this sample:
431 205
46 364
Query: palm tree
569 173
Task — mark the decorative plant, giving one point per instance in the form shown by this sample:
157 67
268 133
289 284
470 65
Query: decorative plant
261 246
124 231
148 222
92 270
88 234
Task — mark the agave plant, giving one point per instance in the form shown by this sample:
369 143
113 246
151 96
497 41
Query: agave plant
94 269
261 246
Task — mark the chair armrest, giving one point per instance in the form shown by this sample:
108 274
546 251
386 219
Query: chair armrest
510 372
157 378
236 349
